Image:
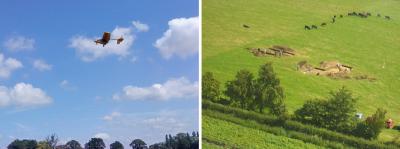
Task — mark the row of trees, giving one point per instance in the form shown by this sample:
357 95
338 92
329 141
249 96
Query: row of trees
335 113
248 92
180 141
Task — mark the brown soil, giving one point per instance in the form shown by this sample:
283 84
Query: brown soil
276 50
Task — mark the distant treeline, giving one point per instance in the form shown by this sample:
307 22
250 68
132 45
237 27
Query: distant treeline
179 141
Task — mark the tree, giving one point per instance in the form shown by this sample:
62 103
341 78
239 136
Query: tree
158 146
52 140
372 126
22 144
336 113
341 109
116 145
240 90
180 141
43 145
171 142
73 144
268 92
210 87
138 144
183 141
95 143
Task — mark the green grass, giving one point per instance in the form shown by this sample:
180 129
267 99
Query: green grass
231 134
278 131
209 145
366 44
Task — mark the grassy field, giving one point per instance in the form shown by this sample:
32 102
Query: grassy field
370 45
233 135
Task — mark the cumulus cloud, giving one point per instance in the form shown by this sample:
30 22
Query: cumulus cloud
111 116
19 43
66 85
171 89
23 95
153 125
87 50
41 65
181 39
163 122
8 65
104 136
141 27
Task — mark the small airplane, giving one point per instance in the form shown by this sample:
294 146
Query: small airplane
106 38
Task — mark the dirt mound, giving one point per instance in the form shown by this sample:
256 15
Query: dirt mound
276 50
333 69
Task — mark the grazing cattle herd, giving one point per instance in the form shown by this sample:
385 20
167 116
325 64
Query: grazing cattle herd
359 14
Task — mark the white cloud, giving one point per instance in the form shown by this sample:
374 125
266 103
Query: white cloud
141 27
104 136
181 39
111 116
23 95
171 89
21 126
19 43
134 59
153 125
66 85
41 65
8 65
88 51
163 122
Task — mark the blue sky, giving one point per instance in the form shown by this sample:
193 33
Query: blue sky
54 79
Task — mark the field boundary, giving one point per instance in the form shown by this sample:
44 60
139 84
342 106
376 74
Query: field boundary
278 131
296 126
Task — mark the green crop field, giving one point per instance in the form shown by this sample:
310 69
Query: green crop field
370 45
233 135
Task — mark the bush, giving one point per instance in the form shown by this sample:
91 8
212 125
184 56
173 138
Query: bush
210 87
372 126
336 113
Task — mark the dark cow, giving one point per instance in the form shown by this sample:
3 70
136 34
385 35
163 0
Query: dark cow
362 15
246 26
314 27
323 24
341 16
352 13
387 17
307 27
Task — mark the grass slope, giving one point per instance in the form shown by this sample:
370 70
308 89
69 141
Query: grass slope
238 136
371 45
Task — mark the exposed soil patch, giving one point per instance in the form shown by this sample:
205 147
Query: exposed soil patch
333 69
276 50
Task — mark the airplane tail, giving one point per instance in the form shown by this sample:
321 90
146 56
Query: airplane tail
119 40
